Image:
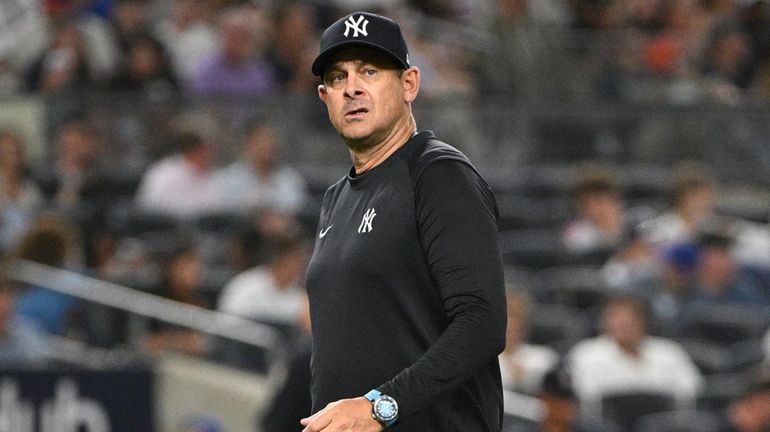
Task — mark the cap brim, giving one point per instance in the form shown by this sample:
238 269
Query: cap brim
323 58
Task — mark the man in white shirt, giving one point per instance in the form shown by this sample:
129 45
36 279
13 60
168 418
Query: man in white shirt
257 181
270 293
523 365
181 184
625 358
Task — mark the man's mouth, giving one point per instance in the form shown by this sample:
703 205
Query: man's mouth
358 112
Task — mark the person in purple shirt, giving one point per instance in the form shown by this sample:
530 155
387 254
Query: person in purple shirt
238 66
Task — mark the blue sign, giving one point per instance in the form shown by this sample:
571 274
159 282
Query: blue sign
79 400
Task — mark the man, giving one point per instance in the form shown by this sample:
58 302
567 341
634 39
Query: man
405 285
626 358
258 180
181 184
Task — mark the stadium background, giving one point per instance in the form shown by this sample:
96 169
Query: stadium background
532 91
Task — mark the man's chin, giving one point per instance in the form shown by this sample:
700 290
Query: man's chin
358 141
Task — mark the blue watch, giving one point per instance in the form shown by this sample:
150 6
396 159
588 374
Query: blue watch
384 407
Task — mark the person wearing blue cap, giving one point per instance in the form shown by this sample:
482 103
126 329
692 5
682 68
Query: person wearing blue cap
406 287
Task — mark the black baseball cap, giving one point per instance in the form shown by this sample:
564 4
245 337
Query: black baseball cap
363 29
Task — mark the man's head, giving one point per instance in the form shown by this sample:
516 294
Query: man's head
261 147
195 149
624 320
597 196
367 82
693 192
751 413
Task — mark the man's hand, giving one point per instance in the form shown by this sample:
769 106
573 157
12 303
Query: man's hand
352 415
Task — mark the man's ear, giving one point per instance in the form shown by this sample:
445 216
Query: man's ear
410 79
322 93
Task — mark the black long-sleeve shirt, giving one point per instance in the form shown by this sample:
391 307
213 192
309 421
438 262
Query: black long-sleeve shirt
406 291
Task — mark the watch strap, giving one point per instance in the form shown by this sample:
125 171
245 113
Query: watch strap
372 395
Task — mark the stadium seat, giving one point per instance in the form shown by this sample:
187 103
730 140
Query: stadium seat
708 356
557 326
579 287
725 324
532 248
678 421
719 390
625 408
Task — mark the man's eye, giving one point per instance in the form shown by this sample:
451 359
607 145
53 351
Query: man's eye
370 72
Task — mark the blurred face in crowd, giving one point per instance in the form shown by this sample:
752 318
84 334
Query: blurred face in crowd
367 97
145 60
11 154
7 305
77 146
605 209
716 267
240 32
625 323
185 273
752 413
201 157
262 148
697 202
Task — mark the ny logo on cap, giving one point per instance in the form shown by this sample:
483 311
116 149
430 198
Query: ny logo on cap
358 26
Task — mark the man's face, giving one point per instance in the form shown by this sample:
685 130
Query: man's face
624 324
366 96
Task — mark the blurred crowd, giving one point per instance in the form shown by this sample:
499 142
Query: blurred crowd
653 306
609 293
686 51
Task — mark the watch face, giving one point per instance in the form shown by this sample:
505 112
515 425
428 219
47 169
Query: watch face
386 408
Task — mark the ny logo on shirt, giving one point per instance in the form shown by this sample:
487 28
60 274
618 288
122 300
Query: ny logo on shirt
366 222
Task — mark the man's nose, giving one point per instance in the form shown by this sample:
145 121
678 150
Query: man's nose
352 87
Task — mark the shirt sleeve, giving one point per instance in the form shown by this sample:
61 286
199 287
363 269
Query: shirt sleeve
457 221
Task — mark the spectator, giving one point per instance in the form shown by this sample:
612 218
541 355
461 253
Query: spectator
20 198
53 242
523 365
97 42
22 343
270 293
64 65
625 357
291 401
187 36
77 174
751 412
292 49
599 224
720 279
239 66
130 20
677 284
634 266
146 68
23 38
257 180
692 208
560 405
183 279
728 64
181 184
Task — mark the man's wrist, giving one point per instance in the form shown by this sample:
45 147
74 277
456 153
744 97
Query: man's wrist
384 407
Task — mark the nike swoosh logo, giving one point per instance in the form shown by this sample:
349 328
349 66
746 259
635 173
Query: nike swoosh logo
323 232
